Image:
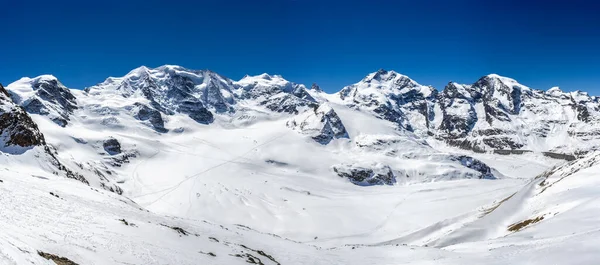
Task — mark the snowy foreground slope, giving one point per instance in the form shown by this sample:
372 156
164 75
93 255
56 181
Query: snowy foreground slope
176 166
62 217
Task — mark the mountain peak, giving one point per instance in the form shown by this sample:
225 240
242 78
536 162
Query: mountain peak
382 71
27 85
262 78
503 79
316 87
38 79
43 78
390 76
554 91
495 76
265 76
140 71
495 80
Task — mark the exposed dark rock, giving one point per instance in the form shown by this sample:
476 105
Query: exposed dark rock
582 113
112 146
178 229
560 156
316 87
465 144
332 126
472 163
502 142
323 124
16 127
208 253
511 152
145 113
366 176
457 125
57 259
196 110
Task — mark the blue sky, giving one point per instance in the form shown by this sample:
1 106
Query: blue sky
334 43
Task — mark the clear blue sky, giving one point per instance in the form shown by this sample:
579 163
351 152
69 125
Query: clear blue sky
334 43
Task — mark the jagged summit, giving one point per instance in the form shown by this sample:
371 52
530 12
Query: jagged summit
44 95
554 89
315 87
385 76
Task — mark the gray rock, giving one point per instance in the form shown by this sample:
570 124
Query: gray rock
112 146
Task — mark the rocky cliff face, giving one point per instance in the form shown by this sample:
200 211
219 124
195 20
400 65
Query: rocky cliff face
498 113
16 127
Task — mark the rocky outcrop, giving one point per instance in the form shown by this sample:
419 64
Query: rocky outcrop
316 88
195 110
363 176
144 113
474 164
112 146
16 127
322 124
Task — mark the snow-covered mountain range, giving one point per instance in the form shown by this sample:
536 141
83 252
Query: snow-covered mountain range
264 157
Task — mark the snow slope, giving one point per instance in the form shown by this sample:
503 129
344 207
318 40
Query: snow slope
367 175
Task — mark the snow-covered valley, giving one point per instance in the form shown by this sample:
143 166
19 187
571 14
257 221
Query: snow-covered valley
175 166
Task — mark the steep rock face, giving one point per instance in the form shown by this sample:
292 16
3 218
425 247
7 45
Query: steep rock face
143 112
498 113
44 95
474 111
494 113
393 97
322 124
16 127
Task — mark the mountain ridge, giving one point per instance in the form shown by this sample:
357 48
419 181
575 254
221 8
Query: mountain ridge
490 114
